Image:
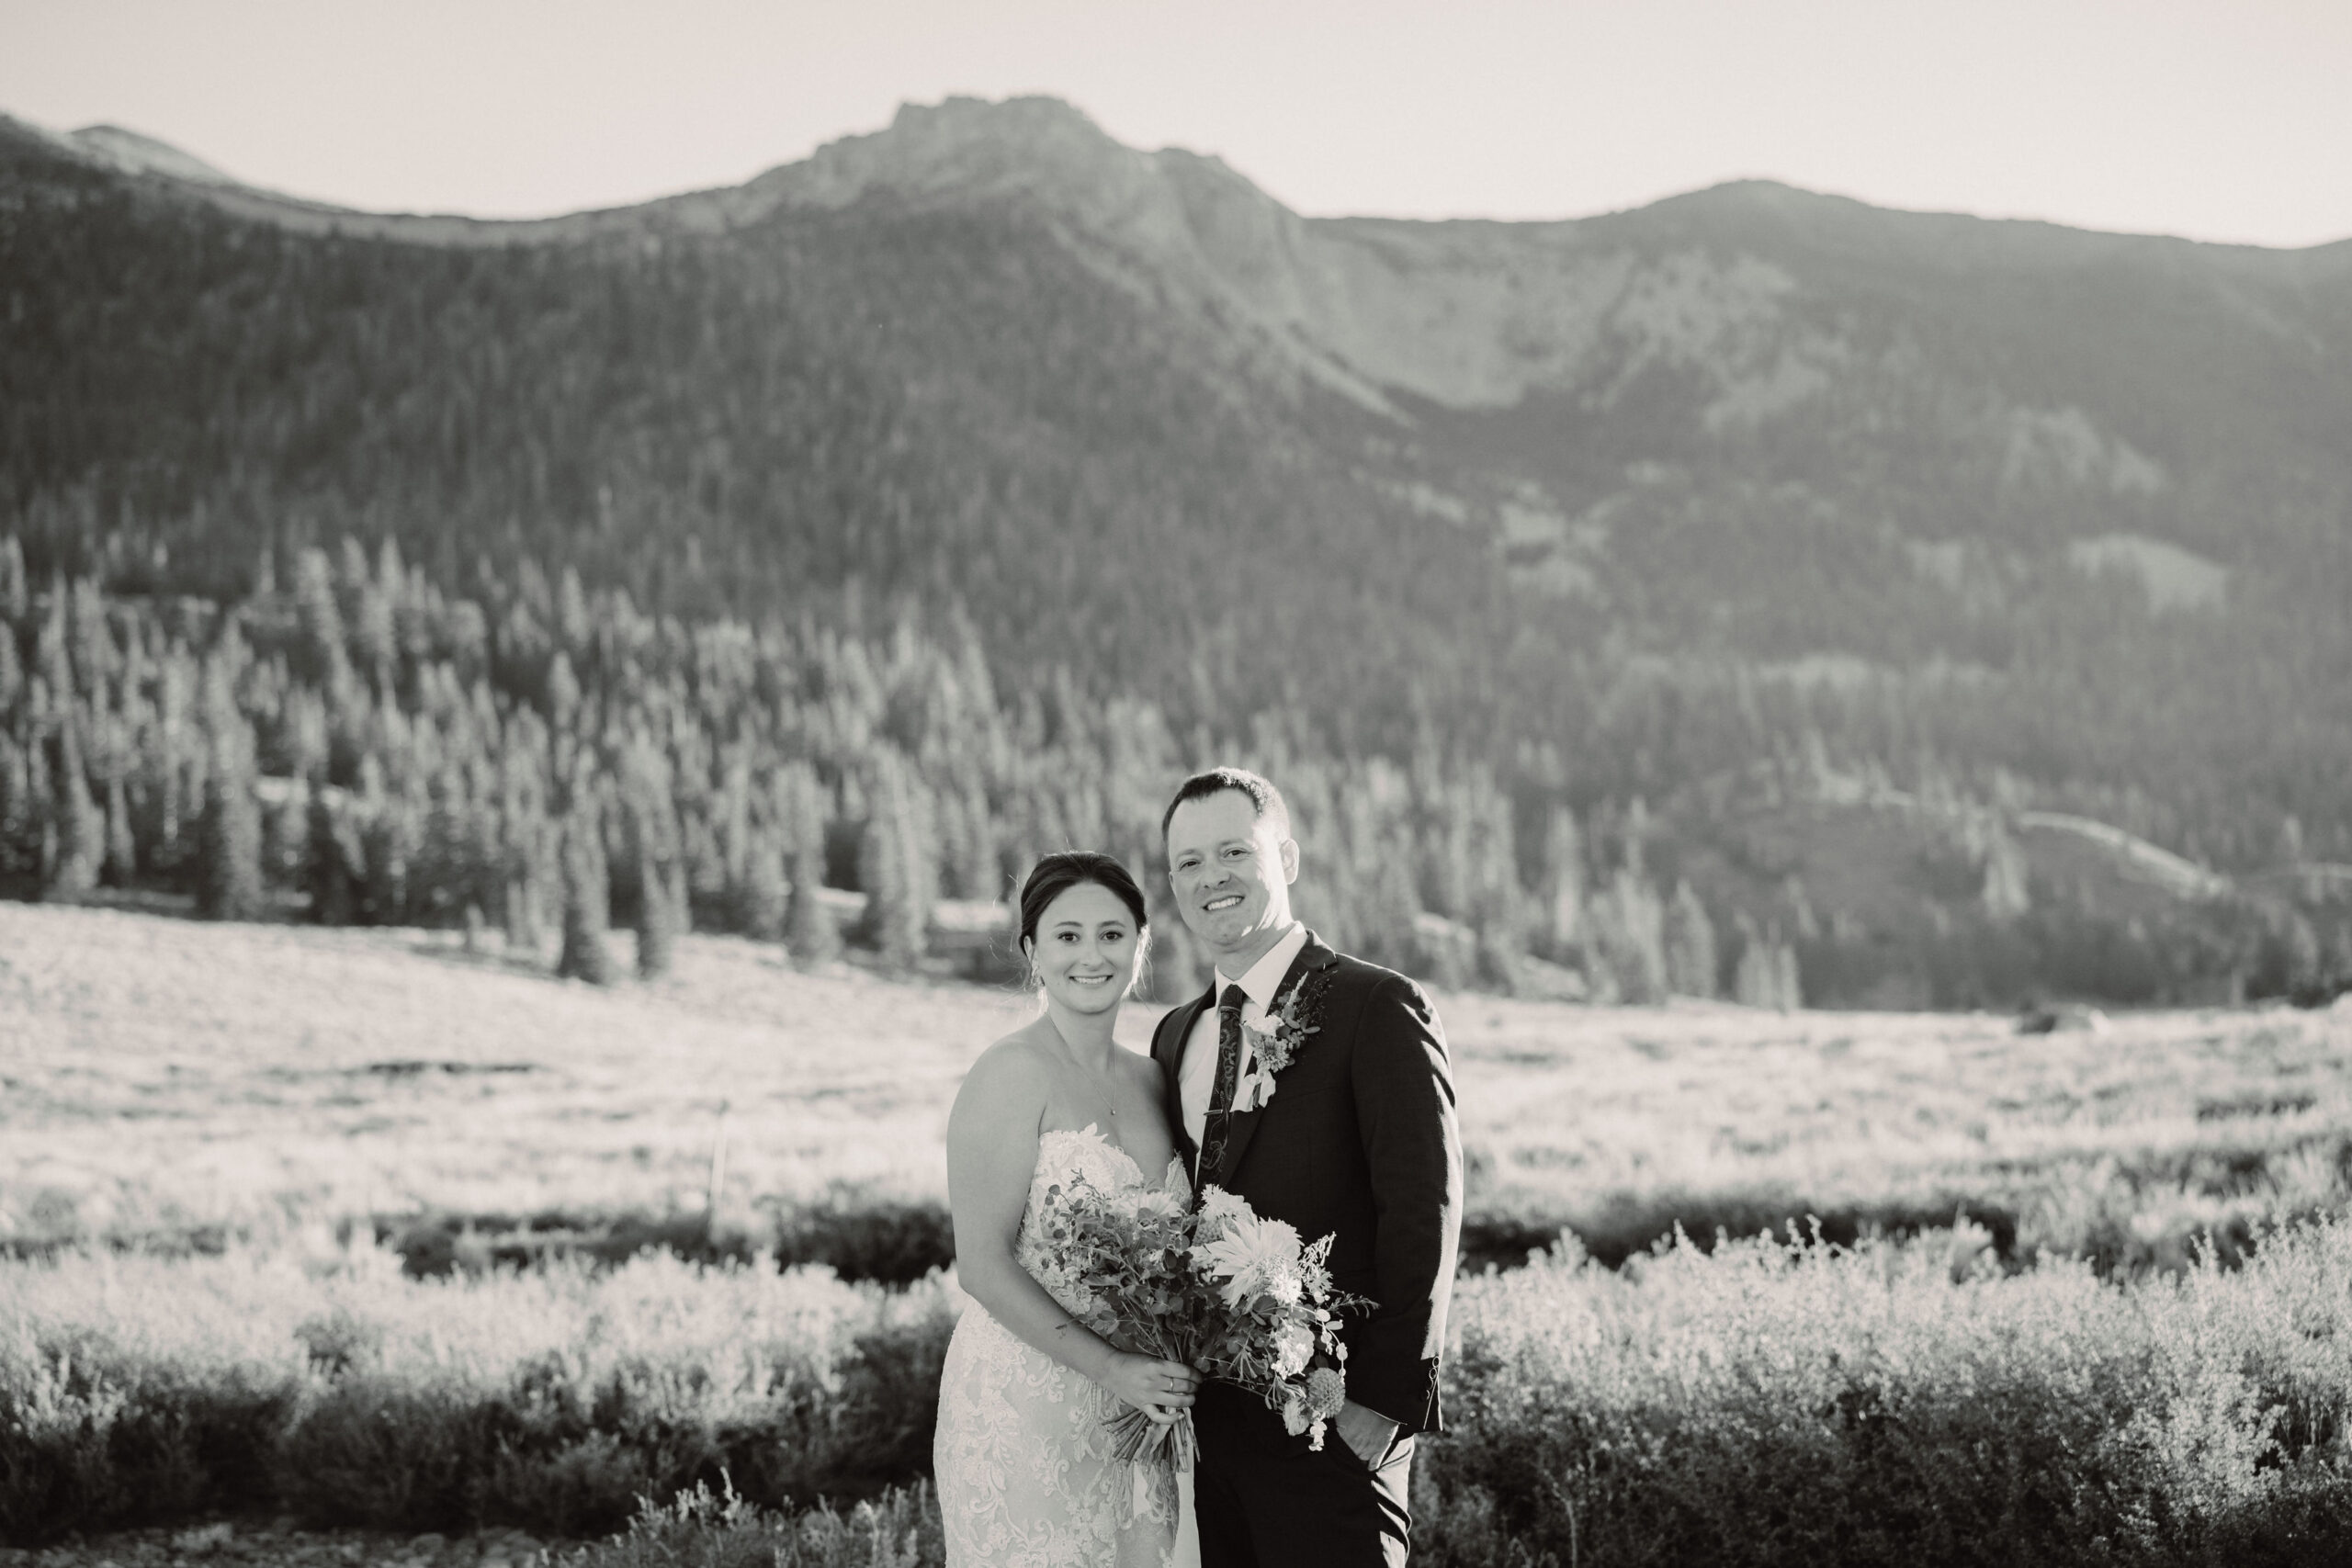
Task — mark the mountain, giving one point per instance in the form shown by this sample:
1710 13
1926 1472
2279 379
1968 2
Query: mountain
1629 505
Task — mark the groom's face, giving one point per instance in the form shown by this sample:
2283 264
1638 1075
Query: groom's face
1231 869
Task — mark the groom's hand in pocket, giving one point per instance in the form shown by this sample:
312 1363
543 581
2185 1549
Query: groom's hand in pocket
1367 1433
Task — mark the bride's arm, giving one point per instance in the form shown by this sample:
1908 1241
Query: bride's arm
992 1157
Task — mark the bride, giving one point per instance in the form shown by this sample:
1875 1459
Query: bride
1023 1458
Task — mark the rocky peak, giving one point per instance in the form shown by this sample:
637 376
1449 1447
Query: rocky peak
135 154
968 149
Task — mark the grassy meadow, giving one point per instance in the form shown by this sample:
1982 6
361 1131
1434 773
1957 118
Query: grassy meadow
168 1079
262 1119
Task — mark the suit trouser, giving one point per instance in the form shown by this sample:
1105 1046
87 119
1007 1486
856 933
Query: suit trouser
1264 1500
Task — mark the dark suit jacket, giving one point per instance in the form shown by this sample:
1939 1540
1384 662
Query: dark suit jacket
1358 1143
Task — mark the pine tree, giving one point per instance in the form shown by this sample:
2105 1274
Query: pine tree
562 692
1766 976
1564 881
367 613
15 604
764 902
810 933
122 847
661 901
1174 969
95 657
1390 922
390 836
1637 838
15 792
39 798
1790 984
1629 928
1449 952
228 880
533 866
2005 894
80 848
731 831
586 902
652 822
1499 905
979 872
318 648
172 760
529 852
573 622
333 859
897 864
1690 945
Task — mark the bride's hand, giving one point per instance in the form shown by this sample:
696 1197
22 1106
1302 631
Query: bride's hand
1161 1390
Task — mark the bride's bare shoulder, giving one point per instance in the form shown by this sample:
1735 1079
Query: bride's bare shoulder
1013 1065
1007 1088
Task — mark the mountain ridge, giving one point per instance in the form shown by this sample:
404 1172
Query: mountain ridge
2068 507
1324 293
833 167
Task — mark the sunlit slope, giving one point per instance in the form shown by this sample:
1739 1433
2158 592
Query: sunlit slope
1892 898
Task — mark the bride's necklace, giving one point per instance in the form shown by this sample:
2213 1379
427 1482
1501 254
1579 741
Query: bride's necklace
1095 1080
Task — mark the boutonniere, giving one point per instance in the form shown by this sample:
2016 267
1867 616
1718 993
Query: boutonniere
1273 1049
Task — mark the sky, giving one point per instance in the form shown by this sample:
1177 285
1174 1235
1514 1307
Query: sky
2223 119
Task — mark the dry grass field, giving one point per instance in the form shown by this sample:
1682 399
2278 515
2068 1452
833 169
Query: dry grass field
163 1074
161 1077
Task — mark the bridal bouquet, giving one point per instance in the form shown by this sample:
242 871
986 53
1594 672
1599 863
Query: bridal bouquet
1222 1289
1274 1329
1127 1254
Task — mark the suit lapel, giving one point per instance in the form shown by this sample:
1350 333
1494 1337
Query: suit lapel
1311 957
1168 1049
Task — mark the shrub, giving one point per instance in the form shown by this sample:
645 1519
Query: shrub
1803 1403
862 1236
699 1529
1773 1401
140 1388
855 1232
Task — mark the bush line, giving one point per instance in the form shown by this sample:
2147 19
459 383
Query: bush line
1767 1403
138 1391
2124 1222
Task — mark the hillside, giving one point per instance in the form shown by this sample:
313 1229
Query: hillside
1620 510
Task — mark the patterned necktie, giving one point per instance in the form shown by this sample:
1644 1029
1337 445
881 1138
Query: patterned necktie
1228 1077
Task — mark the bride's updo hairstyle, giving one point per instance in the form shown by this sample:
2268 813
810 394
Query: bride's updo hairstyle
1057 873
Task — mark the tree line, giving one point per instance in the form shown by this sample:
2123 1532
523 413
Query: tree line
351 744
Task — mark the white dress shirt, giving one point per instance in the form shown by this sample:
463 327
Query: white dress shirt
1196 1078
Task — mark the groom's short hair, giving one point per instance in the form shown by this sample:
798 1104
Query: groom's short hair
1265 800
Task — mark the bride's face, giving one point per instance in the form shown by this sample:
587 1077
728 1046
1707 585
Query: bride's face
1086 949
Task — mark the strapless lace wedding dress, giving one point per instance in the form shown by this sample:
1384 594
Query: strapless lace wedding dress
1022 1459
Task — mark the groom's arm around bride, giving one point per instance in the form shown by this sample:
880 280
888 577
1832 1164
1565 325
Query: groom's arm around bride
1317 1086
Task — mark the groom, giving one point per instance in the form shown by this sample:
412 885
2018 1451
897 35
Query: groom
1357 1140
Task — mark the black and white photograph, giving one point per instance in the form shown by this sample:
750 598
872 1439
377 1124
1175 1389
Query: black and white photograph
873 783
